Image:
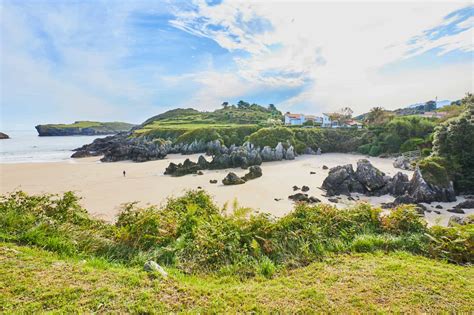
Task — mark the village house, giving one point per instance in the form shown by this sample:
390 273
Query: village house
300 119
434 114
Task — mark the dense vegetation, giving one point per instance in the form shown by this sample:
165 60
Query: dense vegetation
398 134
327 139
453 143
214 256
193 234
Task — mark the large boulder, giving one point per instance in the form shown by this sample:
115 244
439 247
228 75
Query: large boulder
254 172
153 267
339 180
370 177
4 136
290 153
232 179
399 184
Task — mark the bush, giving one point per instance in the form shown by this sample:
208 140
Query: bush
375 150
194 235
403 219
411 144
271 136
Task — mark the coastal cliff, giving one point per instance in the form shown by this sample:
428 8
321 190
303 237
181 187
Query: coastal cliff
83 128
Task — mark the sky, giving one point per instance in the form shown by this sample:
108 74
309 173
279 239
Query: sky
123 60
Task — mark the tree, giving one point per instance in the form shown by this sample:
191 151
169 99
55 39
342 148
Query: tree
454 141
242 105
429 106
377 116
225 104
271 107
346 112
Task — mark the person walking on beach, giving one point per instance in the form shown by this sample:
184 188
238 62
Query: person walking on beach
124 173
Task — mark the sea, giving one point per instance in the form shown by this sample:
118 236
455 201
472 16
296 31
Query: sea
25 146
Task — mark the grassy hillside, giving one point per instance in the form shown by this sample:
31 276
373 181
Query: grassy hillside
54 256
34 280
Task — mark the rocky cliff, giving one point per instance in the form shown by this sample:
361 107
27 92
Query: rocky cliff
83 128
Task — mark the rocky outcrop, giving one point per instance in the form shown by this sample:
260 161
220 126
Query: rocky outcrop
232 179
419 190
153 267
121 148
254 172
342 180
4 136
84 128
467 204
404 163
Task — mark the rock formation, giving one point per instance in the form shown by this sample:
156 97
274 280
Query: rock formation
232 179
342 180
4 136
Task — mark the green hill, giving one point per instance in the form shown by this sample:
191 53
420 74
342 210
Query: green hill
87 128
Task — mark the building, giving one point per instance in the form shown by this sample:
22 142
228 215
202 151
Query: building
354 124
327 123
300 119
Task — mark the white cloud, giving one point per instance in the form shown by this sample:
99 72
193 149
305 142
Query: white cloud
340 48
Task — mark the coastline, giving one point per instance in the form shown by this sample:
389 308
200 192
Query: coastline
104 189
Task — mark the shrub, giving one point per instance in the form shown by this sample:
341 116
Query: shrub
455 244
375 150
411 144
403 219
271 137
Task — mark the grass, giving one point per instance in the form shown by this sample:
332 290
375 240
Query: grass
34 280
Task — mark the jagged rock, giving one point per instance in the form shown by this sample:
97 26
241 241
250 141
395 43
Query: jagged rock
200 173
339 180
437 212
305 188
403 163
404 199
468 204
181 169
153 267
370 177
439 207
399 184
202 162
309 151
295 188
456 210
213 181
334 200
279 152
290 153
325 167
4 136
254 172
232 179
421 191
318 152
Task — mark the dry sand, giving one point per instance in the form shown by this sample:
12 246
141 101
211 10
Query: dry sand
104 189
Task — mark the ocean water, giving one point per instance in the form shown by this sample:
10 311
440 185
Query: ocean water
25 146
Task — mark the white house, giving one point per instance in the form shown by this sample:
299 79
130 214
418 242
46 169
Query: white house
294 119
326 121
299 119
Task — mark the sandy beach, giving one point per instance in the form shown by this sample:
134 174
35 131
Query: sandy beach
104 189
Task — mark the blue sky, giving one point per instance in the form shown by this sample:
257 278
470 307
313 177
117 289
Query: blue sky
128 60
